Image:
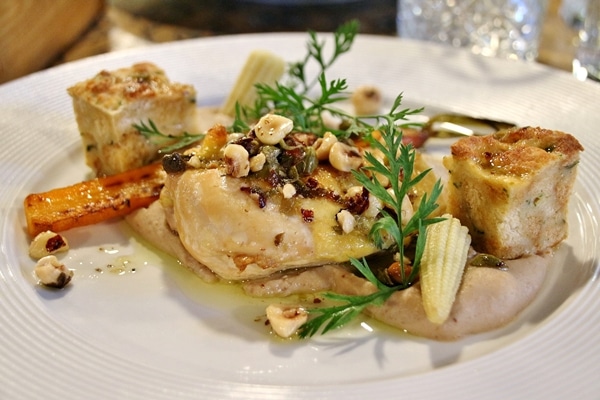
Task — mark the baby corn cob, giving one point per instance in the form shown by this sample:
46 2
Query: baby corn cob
442 266
261 67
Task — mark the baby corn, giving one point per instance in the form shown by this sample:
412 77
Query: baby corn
442 266
261 67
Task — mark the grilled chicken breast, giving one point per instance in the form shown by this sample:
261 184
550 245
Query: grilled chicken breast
247 206
223 222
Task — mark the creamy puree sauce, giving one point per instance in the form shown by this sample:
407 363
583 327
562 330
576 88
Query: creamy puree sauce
488 297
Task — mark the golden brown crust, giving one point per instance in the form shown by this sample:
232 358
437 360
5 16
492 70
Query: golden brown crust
110 103
111 90
511 189
518 151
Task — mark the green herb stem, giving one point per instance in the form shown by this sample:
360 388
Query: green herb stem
168 143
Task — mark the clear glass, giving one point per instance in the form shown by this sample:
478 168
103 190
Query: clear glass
500 28
587 60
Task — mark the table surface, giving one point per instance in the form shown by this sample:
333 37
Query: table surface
118 28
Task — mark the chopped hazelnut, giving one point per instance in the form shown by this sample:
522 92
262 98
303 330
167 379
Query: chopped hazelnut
288 190
344 157
52 272
257 162
323 145
286 320
367 100
374 208
272 128
47 243
346 221
237 160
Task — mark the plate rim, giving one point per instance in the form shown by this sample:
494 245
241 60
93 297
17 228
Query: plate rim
259 391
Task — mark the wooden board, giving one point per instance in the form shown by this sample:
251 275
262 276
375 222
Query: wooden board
34 32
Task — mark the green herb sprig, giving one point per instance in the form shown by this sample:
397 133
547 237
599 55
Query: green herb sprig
343 39
399 171
169 143
333 317
293 98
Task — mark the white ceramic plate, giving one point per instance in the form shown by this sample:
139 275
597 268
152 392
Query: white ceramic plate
158 333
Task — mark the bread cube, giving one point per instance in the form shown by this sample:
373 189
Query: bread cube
512 188
109 104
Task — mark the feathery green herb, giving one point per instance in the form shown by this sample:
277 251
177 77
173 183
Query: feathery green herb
304 99
399 171
292 98
333 317
170 142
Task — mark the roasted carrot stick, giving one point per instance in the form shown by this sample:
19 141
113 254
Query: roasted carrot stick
93 201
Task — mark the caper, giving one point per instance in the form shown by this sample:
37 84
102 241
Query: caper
174 163
488 260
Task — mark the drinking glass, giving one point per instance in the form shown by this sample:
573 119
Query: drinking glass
501 28
587 59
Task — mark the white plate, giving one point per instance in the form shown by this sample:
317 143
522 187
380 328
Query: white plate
158 333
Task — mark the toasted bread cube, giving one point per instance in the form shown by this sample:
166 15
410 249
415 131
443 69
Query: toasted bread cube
512 188
109 104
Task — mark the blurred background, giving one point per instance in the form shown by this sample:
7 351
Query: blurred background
37 34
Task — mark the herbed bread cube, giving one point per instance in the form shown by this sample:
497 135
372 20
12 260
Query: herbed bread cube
511 189
109 104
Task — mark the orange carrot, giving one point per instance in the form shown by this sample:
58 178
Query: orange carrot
93 201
